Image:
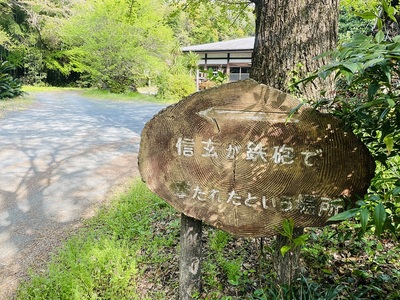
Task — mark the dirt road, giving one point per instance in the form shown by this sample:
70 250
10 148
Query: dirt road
59 161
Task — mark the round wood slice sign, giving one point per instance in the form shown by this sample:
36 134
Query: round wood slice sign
229 156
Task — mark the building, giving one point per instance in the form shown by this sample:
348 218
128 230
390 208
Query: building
231 57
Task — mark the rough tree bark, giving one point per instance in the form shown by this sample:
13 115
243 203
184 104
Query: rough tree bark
289 33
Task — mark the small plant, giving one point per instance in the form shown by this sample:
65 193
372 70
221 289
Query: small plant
9 87
217 77
287 231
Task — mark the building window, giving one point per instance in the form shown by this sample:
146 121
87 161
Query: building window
239 73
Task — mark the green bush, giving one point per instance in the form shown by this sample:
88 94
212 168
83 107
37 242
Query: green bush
367 70
9 87
175 86
350 24
116 85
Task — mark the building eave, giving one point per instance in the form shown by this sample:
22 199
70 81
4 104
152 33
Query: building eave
237 45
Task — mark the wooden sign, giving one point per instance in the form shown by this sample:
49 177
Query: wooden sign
229 156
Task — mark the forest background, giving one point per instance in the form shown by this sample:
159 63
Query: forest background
115 45
124 44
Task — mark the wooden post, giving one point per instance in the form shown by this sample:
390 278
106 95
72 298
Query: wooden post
190 260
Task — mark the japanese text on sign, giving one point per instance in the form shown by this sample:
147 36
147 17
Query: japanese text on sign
281 154
305 204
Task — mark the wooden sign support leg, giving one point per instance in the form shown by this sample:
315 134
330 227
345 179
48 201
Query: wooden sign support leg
287 267
190 258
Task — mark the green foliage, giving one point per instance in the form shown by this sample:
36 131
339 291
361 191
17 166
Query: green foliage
117 44
175 87
338 266
9 87
335 254
380 12
101 269
350 24
358 5
31 28
8 28
202 21
128 97
5 40
33 64
367 99
217 77
232 267
190 60
293 242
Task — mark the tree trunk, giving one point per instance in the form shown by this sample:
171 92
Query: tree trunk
290 33
287 267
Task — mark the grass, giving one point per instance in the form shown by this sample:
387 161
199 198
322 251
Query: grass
106 259
130 251
129 96
102 94
27 100
35 88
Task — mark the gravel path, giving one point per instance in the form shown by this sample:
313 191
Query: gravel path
59 161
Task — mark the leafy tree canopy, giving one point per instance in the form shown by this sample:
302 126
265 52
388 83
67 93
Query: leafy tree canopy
205 21
115 42
358 5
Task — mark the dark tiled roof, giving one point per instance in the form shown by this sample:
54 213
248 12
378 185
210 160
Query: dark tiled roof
232 45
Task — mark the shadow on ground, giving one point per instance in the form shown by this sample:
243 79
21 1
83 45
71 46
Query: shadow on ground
59 161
